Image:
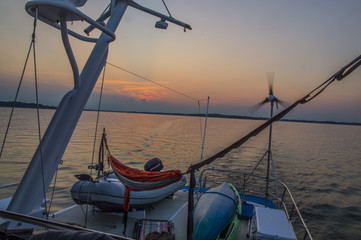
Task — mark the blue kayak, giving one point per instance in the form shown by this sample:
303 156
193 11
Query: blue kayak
213 212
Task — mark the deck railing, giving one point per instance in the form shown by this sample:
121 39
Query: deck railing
252 183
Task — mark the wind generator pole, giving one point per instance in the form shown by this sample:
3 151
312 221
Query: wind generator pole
269 154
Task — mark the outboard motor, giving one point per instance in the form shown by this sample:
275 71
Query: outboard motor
153 165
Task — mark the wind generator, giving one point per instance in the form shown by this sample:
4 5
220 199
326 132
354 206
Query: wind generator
272 100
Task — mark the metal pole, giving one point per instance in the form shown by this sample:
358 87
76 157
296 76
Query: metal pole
205 128
204 139
269 154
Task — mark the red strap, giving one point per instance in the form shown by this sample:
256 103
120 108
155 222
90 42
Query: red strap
126 199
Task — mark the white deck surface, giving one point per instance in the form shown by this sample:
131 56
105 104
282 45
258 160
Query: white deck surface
173 209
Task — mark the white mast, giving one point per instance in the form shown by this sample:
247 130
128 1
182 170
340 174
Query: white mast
30 193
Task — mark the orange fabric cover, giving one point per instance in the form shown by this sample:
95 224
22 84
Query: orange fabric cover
143 176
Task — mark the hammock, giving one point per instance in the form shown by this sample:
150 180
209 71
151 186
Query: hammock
138 180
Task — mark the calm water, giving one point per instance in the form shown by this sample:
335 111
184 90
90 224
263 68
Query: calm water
320 163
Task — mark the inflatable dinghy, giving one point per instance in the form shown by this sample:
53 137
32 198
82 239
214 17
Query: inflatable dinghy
107 193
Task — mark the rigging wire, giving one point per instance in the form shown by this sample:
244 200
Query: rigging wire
15 99
95 139
97 119
105 10
31 47
170 89
147 79
53 191
165 5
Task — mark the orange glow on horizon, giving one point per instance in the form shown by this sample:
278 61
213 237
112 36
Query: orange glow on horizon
137 90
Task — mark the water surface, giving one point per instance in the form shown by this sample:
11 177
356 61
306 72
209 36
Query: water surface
319 162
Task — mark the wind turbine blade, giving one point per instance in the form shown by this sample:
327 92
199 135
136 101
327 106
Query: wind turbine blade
257 106
270 77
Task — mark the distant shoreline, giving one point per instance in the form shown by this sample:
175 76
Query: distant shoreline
211 115
24 105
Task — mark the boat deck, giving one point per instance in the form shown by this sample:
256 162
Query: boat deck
173 209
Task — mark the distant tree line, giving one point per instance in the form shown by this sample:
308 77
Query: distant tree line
24 105
212 115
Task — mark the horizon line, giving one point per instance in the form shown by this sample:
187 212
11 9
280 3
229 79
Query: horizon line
211 115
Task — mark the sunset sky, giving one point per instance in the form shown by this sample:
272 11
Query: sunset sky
227 55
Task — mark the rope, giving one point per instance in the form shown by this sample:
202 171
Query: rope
341 74
345 71
147 79
322 87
